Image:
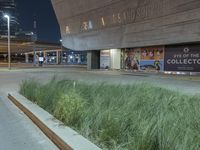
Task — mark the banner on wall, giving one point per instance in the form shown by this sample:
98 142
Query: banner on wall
132 59
105 59
182 58
152 58
152 53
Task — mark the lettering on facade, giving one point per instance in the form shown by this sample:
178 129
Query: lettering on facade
86 25
67 30
146 9
103 22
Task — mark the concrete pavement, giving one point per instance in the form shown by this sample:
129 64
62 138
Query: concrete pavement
17 132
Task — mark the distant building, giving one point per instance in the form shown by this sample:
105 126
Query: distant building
8 7
24 35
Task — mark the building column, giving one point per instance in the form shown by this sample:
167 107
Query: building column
26 57
57 57
89 59
79 58
93 60
115 58
45 57
68 59
61 56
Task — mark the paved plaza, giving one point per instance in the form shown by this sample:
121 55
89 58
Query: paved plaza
10 80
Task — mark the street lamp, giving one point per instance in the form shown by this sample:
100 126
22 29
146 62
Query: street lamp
8 19
61 51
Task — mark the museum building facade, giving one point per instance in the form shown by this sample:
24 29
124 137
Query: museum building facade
162 35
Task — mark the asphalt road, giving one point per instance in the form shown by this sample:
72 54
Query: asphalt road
17 132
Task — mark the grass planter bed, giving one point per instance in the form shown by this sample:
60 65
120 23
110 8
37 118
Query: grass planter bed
122 117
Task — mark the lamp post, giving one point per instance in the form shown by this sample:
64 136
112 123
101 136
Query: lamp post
61 52
8 19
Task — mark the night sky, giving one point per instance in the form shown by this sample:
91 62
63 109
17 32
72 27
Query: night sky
47 25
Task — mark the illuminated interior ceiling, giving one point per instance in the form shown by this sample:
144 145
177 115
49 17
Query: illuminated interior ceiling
18 46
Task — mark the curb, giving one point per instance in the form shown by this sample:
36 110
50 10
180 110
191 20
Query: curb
63 137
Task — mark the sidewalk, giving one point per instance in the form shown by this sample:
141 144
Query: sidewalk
17 132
